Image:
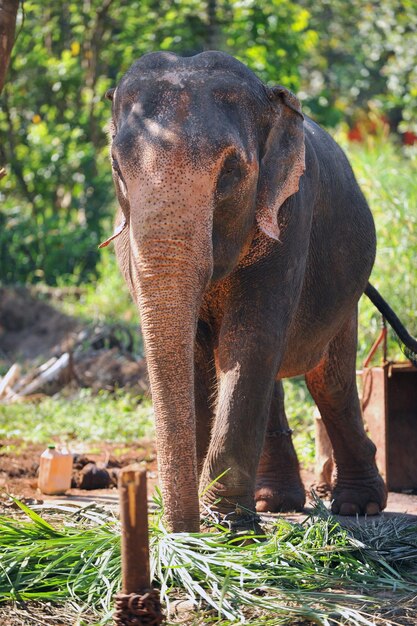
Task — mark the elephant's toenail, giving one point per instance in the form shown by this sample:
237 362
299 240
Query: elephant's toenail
348 508
263 506
372 508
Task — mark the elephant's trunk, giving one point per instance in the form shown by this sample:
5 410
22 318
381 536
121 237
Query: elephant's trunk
172 273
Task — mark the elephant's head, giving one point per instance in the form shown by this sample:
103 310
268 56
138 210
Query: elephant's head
202 154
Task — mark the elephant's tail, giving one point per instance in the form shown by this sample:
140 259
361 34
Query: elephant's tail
408 343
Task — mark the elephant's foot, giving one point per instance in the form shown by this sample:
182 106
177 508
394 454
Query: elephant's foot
278 483
273 496
238 520
353 494
230 508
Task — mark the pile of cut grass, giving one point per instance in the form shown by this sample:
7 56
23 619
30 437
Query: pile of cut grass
314 571
75 562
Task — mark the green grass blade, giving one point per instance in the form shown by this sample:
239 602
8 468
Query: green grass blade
37 519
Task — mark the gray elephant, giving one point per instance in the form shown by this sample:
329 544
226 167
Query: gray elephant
246 244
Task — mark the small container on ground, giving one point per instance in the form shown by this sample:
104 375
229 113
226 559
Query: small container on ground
55 471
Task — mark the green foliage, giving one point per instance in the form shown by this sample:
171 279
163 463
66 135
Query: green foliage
85 417
77 563
316 571
52 138
299 407
389 181
364 56
58 195
105 298
272 38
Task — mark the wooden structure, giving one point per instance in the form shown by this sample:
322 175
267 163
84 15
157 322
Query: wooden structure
389 405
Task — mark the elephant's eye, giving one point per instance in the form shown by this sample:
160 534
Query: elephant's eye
231 174
230 164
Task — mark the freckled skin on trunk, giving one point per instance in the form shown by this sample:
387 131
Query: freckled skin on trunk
247 247
169 328
170 367
168 348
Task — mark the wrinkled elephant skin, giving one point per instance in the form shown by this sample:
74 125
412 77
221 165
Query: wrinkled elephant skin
246 244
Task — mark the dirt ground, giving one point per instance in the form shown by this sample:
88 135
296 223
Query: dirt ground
19 465
30 327
37 336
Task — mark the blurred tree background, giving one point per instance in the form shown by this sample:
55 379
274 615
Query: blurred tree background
352 62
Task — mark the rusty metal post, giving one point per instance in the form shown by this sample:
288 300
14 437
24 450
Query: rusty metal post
134 518
137 604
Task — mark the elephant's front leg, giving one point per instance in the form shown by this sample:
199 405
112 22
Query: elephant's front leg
278 482
205 389
247 363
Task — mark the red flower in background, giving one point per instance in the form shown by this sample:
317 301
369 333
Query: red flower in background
409 138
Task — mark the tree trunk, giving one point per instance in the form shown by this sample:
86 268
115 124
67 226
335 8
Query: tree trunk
8 13
213 27
170 266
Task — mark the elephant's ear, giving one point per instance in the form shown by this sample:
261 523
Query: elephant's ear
283 159
121 193
124 216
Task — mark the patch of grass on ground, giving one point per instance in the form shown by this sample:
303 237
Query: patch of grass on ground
105 417
316 571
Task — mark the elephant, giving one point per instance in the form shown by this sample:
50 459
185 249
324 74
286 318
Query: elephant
246 244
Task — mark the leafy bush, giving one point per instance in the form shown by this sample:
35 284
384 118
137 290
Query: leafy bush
105 297
364 57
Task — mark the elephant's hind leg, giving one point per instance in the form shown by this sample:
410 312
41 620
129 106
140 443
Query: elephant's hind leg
278 482
358 488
